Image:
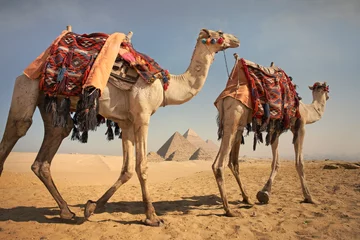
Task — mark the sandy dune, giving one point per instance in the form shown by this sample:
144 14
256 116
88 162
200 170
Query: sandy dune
185 195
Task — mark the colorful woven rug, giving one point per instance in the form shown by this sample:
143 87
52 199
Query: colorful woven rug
147 68
80 66
70 62
274 99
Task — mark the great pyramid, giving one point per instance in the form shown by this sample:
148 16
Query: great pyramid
179 144
201 154
208 145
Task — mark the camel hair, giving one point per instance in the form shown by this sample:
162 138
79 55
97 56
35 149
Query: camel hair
131 110
233 118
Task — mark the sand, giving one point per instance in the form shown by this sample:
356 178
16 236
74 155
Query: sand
186 197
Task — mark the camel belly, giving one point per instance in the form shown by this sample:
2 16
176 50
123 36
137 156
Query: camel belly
114 105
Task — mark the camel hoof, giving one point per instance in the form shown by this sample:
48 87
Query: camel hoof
89 209
154 223
232 214
67 215
263 197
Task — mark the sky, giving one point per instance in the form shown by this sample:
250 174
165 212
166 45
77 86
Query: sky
312 40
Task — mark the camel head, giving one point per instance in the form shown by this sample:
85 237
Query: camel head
217 40
320 90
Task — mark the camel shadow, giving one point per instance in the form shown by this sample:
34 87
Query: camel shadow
40 215
51 214
184 206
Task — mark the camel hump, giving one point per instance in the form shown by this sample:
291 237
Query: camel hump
268 70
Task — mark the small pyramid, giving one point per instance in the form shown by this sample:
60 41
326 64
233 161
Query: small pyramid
201 154
190 132
154 157
177 156
176 143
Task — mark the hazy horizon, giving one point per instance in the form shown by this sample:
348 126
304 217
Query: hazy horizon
311 40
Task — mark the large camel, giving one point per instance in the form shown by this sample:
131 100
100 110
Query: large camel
131 110
233 118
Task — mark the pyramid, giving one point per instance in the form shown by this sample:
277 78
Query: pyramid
178 156
179 144
194 139
154 157
201 154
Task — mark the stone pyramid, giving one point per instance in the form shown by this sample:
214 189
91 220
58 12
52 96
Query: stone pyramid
194 139
179 144
154 157
201 154
178 156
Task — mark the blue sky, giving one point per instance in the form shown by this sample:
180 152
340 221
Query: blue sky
312 41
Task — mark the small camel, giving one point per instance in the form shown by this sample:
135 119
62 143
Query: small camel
131 110
233 118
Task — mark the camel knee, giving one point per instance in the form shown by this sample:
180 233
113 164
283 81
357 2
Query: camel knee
126 175
35 167
218 172
44 171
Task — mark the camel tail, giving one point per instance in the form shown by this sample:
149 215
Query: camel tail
219 120
22 108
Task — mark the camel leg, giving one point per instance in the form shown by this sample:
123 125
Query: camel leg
23 104
230 129
234 166
141 136
127 172
264 194
299 163
41 167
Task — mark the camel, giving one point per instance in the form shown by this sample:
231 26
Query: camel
131 110
233 118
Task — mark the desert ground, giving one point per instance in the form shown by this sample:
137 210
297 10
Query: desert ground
185 196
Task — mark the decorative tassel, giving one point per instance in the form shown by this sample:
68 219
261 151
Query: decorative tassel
255 141
100 120
242 139
61 74
166 86
248 129
117 130
61 88
267 139
75 134
63 112
48 103
260 137
84 137
109 132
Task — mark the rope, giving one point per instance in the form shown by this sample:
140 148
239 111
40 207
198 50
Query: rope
227 69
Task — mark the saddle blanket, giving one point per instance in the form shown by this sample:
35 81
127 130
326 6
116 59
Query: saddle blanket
269 92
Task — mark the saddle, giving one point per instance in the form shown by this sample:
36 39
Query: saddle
267 70
71 71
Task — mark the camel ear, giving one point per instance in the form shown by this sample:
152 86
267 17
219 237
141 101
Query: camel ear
311 88
204 33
